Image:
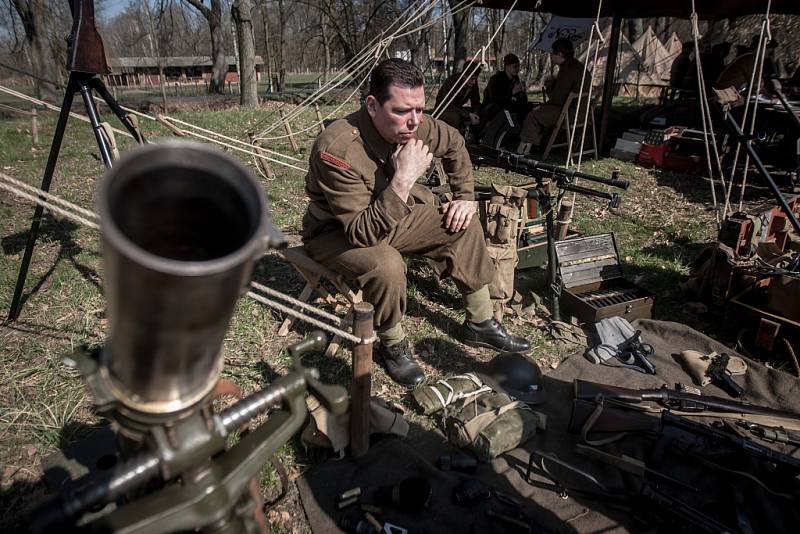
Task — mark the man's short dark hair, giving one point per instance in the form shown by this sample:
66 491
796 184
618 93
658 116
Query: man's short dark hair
510 59
564 47
393 71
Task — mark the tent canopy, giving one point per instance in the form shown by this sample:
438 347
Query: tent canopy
706 9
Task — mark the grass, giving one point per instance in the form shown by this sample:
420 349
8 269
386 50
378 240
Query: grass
663 222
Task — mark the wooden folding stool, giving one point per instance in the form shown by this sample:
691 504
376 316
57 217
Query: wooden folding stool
315 274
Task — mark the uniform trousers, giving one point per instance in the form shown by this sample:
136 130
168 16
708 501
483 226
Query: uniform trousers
539 119
381 271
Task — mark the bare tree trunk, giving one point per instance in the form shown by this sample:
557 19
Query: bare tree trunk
34 15
326 45
215 24
156 51
544 64
281 66
267 48
460 35
241 12
527 64
494 18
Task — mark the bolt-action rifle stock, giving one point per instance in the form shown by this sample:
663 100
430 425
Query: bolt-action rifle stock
682 403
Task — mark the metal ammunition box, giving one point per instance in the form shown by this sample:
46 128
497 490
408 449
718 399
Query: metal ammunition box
593 287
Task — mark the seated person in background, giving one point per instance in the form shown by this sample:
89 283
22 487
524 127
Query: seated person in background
682 72
714 63
505 91
464 105
570 73
366 210
738 73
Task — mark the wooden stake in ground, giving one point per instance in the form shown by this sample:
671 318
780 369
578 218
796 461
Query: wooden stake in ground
161 119
34 128
288 129
262 161
363 313
564 218
319 117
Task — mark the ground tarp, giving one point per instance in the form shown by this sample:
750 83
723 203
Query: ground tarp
392 460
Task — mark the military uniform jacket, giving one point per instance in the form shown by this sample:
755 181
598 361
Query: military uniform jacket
500 89
350 169
568 81
465 95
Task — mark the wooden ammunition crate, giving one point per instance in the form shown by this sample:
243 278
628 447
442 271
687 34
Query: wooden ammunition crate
593 287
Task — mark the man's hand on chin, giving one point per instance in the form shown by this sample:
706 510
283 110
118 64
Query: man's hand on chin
458 214
410 160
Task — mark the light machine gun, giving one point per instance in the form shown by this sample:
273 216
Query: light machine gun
551 182
182 226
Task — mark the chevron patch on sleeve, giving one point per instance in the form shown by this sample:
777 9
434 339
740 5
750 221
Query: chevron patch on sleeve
333 160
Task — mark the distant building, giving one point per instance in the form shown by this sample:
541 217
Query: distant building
144 70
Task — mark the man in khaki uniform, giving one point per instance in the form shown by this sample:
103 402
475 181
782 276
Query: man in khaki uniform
367 210
570 72
463 105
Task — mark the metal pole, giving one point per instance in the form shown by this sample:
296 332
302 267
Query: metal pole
55 147
94 119
751 152
608 86
552 267
363 314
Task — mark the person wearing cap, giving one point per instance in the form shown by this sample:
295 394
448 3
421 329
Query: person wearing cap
366 211
544 116
505 91
463 106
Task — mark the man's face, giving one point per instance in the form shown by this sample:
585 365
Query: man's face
557 57
512 70
398 118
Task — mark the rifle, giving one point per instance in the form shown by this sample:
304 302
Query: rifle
682 403
591 418
771 434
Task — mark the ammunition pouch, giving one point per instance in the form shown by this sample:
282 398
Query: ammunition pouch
491 424
443 393
501 223
500 217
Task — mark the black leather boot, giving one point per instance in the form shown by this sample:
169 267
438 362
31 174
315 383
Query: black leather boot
398 360
493 335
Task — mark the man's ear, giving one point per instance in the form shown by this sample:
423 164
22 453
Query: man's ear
372 105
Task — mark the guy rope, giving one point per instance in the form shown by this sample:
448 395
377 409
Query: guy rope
258 291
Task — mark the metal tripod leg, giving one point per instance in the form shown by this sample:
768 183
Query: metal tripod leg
77 82
94 119
552 264
98 85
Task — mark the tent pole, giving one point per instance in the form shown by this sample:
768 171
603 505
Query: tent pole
608 86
